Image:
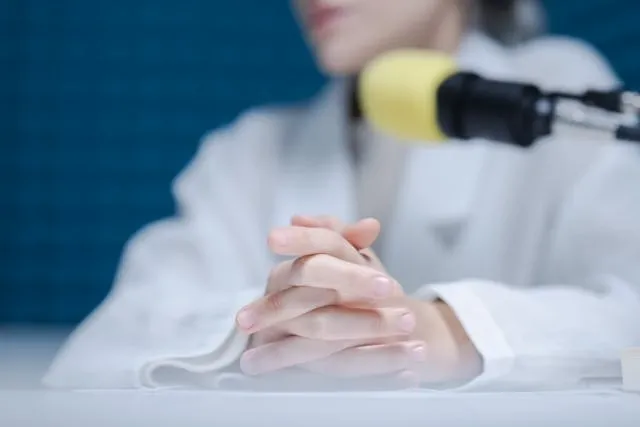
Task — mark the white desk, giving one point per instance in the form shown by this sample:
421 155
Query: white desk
32 407
210 409
25 354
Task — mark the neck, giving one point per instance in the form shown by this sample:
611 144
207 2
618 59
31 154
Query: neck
447 28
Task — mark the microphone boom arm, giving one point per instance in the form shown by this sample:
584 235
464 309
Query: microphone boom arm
521 114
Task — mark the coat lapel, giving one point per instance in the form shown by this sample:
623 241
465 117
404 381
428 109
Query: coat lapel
440 186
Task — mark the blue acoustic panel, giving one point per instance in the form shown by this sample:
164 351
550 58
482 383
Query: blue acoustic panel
103 102
107 101
610 25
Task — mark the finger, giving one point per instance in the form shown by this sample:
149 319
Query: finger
282 306
298 287
287 353
305 241
355 282
328 222
279 277
361 234
351 281
267 336
290 273
325 282
276 333
338 323
371 360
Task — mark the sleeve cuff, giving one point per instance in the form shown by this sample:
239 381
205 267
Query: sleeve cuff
178 372
208 367
488 338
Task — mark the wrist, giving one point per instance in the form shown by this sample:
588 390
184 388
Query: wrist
452 352
469 363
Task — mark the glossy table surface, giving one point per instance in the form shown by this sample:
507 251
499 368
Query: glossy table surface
25 354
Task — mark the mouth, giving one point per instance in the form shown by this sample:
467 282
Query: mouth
322 17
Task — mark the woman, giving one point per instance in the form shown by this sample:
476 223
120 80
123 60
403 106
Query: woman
491 257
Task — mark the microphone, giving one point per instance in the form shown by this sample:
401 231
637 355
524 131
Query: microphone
419 95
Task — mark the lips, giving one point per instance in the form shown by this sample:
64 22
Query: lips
322 16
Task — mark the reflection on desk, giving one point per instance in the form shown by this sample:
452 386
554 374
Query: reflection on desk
30 352
26 353
536 393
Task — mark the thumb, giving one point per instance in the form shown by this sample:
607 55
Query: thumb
363 233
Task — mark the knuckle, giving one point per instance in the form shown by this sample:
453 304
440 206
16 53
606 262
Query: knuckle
335 242
278 277
301 267
274 302
308 236
354 274
379 322
307 268
317 325
273 278
300 264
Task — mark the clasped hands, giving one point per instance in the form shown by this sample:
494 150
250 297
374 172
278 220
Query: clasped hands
333 310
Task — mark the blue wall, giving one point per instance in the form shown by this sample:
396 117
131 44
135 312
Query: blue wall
103 102
610 25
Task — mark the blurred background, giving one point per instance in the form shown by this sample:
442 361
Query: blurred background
103 102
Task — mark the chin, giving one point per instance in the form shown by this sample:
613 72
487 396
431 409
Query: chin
340 62
339 68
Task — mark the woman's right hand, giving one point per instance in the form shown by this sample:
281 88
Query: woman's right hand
331 310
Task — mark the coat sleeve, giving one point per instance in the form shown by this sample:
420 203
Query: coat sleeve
181 280
579 323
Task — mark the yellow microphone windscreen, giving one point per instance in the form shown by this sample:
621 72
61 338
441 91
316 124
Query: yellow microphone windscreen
398 93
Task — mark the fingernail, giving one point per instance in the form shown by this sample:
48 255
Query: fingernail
419 352
407 322
246 319
383 287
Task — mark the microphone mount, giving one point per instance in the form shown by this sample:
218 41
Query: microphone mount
471 106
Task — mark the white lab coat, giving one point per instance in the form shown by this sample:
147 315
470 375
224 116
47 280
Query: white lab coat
537 251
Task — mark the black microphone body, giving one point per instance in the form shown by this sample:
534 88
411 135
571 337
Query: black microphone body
470 106
424 97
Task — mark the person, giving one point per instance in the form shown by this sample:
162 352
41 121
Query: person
473 259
